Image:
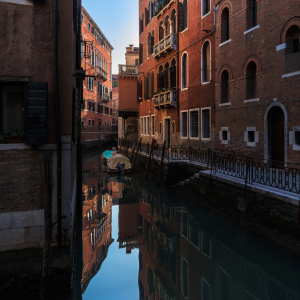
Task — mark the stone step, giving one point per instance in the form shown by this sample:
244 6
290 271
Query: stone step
197 176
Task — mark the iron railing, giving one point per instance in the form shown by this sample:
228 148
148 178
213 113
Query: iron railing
280 175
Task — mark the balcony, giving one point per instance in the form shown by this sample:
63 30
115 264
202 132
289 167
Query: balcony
162 288
167 240
105 98
292 63
129 70
161 6
100 73
165 45
164 99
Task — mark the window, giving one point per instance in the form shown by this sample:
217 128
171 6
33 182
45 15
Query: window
93 123
224 87
206 62
150 46
82 123
184 124
184 277
167 25
161 31
194 123
185 14
206 123
160 128
251 81
297 138
81 18
225 25
89 26
141 53
205 244
184 229
194 232
166 76
251 17
152 125
148 125
83 104
90 83
173 128
251 136
205 7
173 21
173 74
205 290
184 71
89 123
145 126
292 50
93 58
224 135
160 77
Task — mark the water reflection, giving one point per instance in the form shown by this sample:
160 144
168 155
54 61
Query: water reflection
184 251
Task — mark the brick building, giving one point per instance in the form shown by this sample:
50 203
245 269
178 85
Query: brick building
37 90
96 110
40 102
257 57
128 105
176 72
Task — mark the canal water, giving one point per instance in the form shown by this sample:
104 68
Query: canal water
140 241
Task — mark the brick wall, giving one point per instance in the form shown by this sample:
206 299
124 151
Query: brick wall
20 180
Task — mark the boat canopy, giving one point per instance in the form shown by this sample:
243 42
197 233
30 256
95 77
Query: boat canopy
118 158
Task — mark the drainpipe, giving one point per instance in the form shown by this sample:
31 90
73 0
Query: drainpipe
58 127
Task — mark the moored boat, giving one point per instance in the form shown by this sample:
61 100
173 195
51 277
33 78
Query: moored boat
118 163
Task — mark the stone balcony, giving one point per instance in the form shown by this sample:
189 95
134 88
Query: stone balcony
165 45
100 73
161 6
129 70
164 99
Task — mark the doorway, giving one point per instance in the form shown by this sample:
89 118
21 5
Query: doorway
276 135
167 133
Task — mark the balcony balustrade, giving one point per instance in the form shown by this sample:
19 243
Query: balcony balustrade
100 73
165 98
165 45
292 63
161 5
128 70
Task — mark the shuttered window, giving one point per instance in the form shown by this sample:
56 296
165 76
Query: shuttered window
150 95
206 7
149 45
184 71
146 87
185 14
206 62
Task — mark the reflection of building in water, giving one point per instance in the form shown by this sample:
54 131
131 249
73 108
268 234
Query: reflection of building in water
96 222
188 254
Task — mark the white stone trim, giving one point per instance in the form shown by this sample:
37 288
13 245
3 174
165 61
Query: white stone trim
224 43
292 138
246 136
251 100
251 29
224 142
24 2
225 104
291 74
281 47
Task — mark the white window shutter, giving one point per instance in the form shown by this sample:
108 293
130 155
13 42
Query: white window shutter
246 136
220 135
256 137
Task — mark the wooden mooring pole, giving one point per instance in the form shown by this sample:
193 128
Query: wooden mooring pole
137 150
132 151
161 162
150 156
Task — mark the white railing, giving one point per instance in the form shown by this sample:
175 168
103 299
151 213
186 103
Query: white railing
165 98
129 70
169 42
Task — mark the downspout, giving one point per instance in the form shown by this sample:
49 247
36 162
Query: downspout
58 127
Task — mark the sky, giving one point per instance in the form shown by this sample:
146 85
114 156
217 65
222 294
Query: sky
119 22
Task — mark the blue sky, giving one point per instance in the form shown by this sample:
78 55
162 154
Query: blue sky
118 20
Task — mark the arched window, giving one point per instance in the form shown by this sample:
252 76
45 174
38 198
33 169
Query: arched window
173 74
205 7
167 24
160 77
225 25
166 76
251 14
149 44
292 58
184 71
206 62
224 87
161 31
185 14
251 81
173 21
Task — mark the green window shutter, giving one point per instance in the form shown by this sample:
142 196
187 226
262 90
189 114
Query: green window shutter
36 108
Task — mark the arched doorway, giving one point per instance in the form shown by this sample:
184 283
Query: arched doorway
276 127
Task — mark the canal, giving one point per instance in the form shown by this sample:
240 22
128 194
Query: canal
140 241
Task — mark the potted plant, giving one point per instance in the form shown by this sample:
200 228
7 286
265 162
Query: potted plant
15 136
